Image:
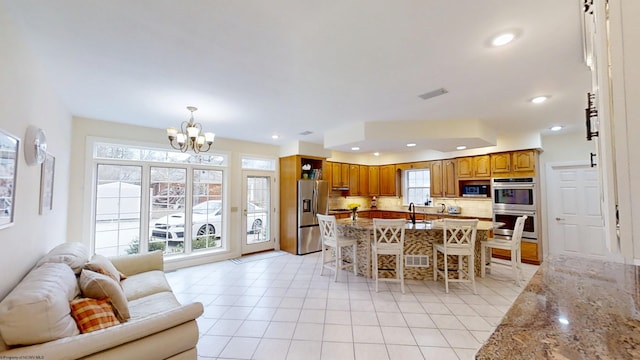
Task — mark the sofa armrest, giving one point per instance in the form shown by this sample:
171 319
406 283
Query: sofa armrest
79 346
138 263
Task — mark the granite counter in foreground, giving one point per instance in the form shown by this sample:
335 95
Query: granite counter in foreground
572 309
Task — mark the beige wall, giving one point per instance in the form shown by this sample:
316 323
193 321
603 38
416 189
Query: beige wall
81 181
28 98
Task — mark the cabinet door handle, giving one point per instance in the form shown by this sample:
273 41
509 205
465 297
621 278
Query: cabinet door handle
559 219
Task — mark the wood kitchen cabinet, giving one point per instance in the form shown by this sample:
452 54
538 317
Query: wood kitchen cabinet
449 179
500 163
443 178
524 161
339 175
374 180
290 172
437 185
363 180
474 167
514 164
388 180
354 179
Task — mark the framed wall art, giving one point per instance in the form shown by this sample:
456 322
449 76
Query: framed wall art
9 146
47 173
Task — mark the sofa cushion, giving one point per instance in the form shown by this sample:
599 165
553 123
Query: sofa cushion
37 309
73 254
93 314
102 265
98 286
145 284
152 304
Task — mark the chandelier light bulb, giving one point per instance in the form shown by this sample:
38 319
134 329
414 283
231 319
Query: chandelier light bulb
190 136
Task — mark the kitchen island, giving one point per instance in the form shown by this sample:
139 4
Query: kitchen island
418 242
572 308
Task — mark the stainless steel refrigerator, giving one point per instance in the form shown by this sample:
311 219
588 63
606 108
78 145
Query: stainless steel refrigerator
313 199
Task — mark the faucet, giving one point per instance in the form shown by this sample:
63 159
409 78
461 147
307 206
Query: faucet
443 208
412 216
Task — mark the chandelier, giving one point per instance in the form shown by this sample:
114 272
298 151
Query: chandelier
190 136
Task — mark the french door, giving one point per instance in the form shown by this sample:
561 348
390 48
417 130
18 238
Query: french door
257 211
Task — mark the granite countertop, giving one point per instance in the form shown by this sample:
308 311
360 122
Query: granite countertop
418 213
572 308
367 224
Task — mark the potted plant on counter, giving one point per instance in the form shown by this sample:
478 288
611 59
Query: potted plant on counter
354 210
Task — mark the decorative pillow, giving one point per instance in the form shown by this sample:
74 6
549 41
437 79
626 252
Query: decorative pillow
93 314
98 286
37 309
102 265
74 254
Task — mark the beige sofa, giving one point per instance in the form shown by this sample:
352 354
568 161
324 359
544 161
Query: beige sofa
36 320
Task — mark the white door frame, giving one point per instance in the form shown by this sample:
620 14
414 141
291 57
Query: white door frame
273 220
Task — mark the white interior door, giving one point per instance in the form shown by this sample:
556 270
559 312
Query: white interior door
573 214
257 211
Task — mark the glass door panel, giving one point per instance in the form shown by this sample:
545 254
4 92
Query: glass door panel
256 212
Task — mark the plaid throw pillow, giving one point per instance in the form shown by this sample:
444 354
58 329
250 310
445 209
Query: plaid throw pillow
93 314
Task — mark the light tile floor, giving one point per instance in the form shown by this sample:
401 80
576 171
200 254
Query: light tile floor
279 307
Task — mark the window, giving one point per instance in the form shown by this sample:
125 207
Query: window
258 163
148 199
416 186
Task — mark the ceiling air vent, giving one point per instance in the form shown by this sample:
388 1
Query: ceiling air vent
306 132
433 93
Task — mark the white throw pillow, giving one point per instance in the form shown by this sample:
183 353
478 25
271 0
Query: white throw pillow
74 254
37 309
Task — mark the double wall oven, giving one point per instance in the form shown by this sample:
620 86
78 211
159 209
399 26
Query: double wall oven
512 198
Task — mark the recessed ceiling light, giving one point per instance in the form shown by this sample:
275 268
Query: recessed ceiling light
355 148
376 154
539 99
411 144
461 147
555 128
275 136
503 39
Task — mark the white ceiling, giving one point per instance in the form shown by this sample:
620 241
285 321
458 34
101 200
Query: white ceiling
258 68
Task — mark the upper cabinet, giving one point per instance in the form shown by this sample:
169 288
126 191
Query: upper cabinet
363 180
354 179
374 180
449 179
474 167
339 176
443 178
388 180
514 164
436 179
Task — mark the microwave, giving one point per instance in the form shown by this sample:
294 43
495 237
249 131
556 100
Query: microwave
475 191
